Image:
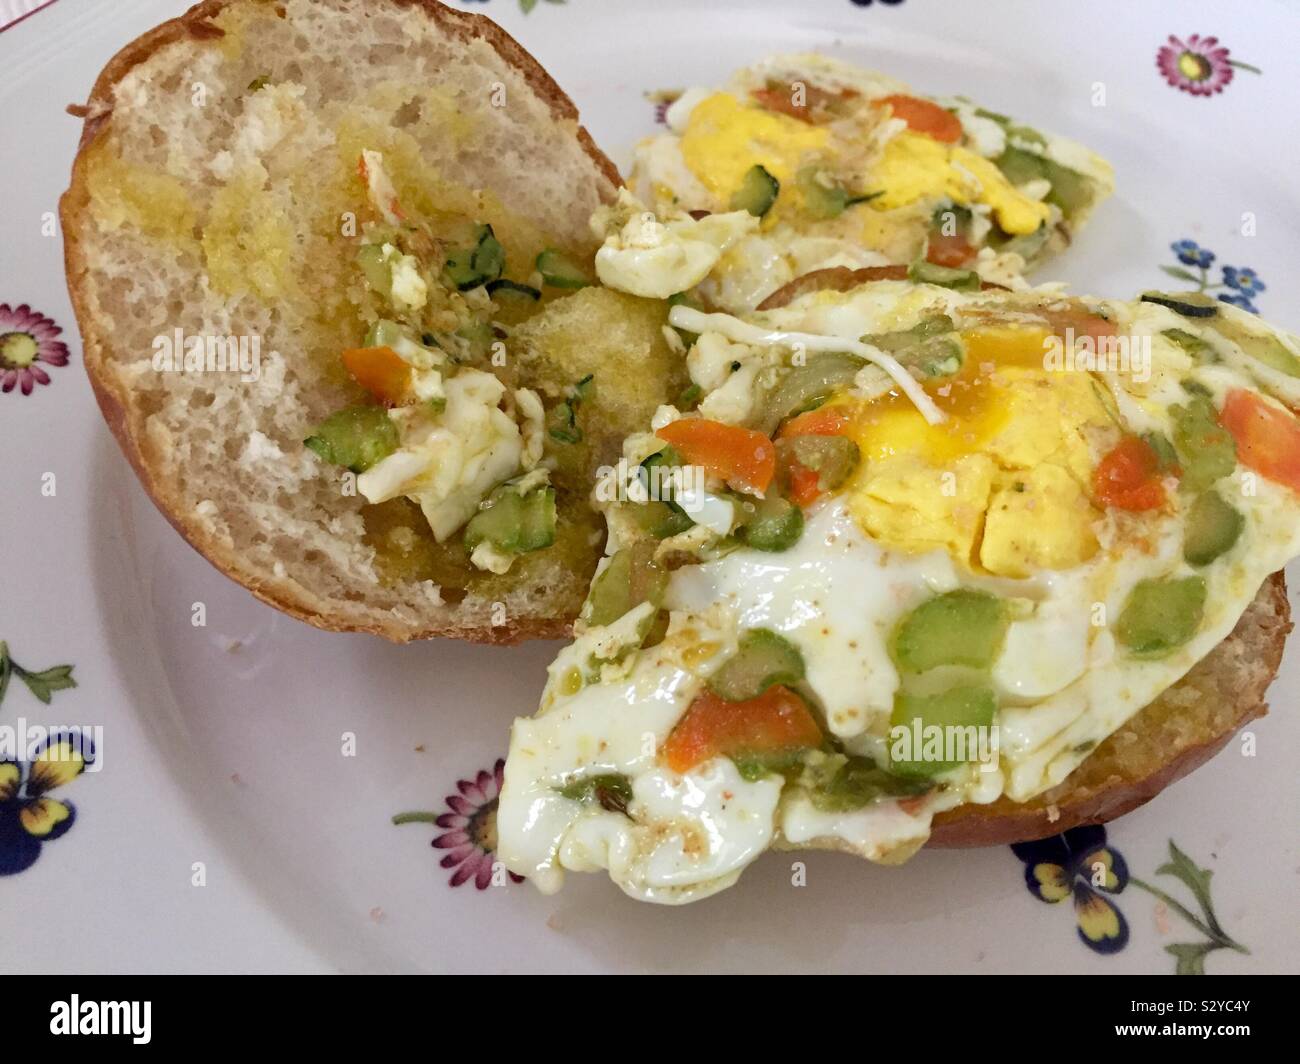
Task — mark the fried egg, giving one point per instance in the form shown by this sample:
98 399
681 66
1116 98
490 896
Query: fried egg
850 168
1069 504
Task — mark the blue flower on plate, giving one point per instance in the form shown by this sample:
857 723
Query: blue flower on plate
1078 864
1238 300
1246 281
28 817
1190 253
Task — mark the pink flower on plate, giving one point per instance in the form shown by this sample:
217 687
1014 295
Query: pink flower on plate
26 340
470 838
1198 65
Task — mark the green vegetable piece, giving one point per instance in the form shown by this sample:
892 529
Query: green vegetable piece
855 782
807 386
478 264
1161 615
479 336
662 519
1264 347
1166 457
258 83
375 269
775 525
758 191
612 790
1188 304
630 578
386 333
563 418
762 659
755 766
1213 526
1020 167
832 458
1193 345
514 523
925 329
1205 447
961 627
922 272
690 397
1026 245
356 437
821 199
560 271
503 289
1070 190
958 707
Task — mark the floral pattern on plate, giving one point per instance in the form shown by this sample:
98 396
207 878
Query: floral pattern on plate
1242 283
470 835
1198 65
28 341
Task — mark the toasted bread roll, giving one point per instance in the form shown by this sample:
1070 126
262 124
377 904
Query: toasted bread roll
216 194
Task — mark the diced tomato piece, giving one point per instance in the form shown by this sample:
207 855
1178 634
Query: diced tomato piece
1082 322
949 250
775 721
381 371
743 458
1267 437
815 101
1129 477
922 116
824 421
805 485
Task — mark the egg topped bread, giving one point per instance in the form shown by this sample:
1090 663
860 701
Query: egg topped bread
920 561
848 167
326 258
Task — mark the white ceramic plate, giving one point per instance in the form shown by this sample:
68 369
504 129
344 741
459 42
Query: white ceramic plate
227 830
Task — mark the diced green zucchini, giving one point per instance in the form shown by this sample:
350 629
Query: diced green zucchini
1161 615
630 578
477 264
1070 190
480 337
754 766
758 191
654 471
1026 245
962 707
1166 456
1262 346
1191 344
1213 526
514 523
690 397
503 289
386 333
356 437
1205 448
841 784
1188 304
775 525
762 659
560 271
563 418
375 269
610 790
925 329
832 458
961 627
823 198
661 519
922 272
809 385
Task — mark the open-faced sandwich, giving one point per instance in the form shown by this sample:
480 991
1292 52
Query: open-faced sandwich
328 258
926 563
848 168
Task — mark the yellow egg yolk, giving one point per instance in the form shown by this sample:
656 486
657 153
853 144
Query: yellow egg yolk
1002 484
914 166
724 139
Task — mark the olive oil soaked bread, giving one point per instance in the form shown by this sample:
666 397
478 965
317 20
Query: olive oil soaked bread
212 193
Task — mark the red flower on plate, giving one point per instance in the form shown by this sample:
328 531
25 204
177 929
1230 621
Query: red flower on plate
1198 65
470 838
27 339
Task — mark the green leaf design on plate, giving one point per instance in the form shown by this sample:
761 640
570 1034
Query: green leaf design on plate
42 683
1182 275
1191 956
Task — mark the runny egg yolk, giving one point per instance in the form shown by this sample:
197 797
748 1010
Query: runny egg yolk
914 166
724 139
1002 483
